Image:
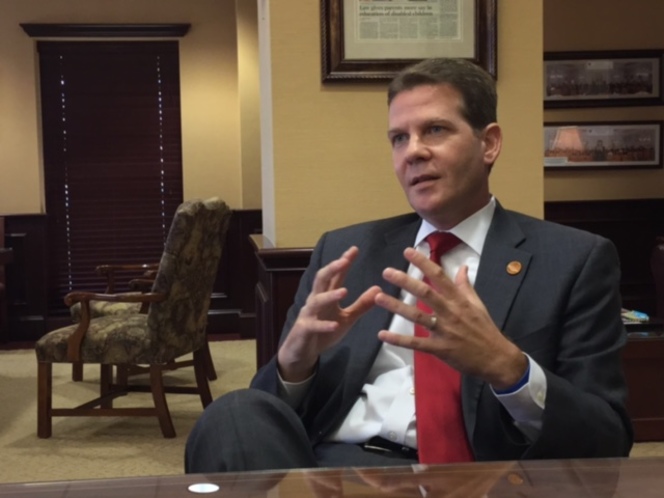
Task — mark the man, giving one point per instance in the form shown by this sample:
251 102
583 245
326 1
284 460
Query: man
525 313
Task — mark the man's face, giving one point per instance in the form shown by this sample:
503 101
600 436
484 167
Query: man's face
441 162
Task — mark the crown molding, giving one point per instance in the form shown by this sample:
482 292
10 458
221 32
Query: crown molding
36 30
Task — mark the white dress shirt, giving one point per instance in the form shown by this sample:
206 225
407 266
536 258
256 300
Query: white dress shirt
386 405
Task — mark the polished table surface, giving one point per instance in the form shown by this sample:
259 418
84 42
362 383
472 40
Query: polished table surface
635 477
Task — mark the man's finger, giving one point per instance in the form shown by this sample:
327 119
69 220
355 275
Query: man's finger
400 308
407 341
349 255
328 276
433 272
363 303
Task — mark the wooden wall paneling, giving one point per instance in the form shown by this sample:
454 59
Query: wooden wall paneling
279 273
643 360
6 257
27 277
232 307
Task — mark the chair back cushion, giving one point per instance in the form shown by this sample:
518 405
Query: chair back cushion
187 272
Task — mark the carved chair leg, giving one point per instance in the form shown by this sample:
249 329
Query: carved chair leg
122 376
105 383
159 397
201 371
77 371
209 364
44 398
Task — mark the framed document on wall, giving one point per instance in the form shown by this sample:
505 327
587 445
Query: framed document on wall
369 40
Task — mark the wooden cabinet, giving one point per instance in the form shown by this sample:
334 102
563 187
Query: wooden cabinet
643 362
279 273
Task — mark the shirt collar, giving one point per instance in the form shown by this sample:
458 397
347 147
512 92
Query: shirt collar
472 231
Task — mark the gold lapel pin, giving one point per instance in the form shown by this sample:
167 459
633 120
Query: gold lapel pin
514 267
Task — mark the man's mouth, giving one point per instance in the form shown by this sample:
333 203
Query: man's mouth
421 179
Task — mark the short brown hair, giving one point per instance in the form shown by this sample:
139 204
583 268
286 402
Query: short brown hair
476 86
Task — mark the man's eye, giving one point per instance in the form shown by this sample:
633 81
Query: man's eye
436 129
399 139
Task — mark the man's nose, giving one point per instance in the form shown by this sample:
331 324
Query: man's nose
416 149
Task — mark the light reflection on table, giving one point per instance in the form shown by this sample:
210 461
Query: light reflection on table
642 478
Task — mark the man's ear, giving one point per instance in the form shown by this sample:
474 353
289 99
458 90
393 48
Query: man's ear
493 142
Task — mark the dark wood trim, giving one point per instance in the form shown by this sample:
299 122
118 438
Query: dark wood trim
38 30
232 307
279 273
26 277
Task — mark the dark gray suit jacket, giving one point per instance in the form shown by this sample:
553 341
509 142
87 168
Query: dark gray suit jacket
563 309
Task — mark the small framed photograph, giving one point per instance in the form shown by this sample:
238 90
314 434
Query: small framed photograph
603 145
603 78
372 40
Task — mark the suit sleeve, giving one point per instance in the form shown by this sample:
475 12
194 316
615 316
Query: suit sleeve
585 414
586 391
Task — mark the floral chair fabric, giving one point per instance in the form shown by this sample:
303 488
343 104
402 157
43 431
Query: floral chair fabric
174 325
104 308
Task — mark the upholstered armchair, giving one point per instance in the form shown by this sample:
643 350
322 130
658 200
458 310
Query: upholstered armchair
173 326
142 281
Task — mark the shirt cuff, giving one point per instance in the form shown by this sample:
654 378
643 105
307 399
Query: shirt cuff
522 382
526 404
293 392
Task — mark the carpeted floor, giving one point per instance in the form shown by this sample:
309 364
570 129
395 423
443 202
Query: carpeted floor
100 447
86 448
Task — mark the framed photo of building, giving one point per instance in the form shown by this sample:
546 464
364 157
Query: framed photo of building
603 145
603 78
371 40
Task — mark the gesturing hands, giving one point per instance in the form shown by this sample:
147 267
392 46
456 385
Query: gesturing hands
322 322
462 333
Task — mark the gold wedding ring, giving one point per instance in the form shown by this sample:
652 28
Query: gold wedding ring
433 320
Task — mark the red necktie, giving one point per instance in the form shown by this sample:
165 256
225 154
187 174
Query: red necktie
441 434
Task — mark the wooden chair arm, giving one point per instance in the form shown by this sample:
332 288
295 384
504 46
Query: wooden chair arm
76 339
141 284
109 271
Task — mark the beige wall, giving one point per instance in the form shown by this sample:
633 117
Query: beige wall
331 161
602 25
249 87
209 89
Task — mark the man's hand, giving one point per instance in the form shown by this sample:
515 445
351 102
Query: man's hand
463 334
322 322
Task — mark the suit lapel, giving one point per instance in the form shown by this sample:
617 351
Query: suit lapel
388 252
502 269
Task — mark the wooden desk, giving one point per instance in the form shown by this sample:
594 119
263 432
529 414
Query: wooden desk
643 478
